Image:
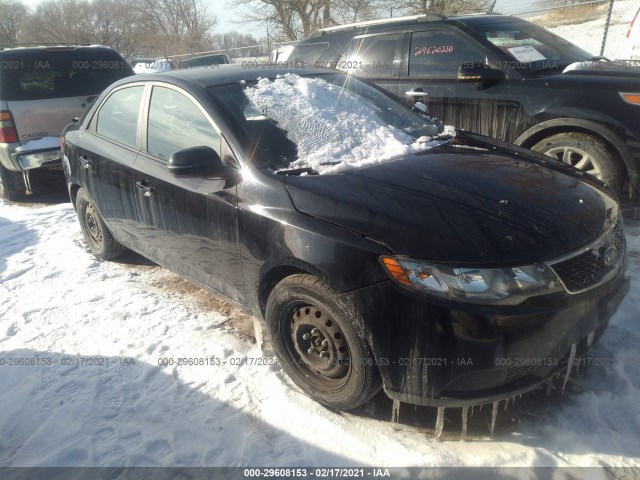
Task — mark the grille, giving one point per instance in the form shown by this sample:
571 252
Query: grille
590 268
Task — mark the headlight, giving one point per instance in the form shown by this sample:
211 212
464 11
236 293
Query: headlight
504 286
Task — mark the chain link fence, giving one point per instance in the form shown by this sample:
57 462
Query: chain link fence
599 26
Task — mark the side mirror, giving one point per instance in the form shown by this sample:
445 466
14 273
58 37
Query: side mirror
479 72
196 161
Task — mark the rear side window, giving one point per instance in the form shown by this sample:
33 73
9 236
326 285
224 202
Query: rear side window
308 55
370 56
117 118
42 74
204 61
440 53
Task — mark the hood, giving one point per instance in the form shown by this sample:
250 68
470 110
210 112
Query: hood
618 68
466 202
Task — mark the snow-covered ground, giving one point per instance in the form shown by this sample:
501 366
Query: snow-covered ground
589 34
98 396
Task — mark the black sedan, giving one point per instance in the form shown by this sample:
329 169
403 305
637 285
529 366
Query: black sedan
380 248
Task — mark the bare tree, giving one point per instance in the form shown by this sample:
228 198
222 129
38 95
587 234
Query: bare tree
13 15
443 7
294 19
118 24
179 24
64 21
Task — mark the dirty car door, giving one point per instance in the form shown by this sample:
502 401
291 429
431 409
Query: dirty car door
191 220
107 152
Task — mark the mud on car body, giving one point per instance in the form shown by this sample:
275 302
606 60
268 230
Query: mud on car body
452 271
503 77
41 90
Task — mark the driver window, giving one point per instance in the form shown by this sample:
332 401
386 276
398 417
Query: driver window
175 123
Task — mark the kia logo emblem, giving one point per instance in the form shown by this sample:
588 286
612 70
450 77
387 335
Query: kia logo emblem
610 255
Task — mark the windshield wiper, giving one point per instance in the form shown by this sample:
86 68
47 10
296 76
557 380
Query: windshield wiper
298 171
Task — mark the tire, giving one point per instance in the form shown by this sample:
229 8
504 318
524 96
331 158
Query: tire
586 153
305 320
96 234
11 184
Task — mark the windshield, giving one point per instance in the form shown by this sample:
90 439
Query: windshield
322 124
532 47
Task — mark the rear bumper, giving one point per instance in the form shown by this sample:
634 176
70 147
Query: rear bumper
438 355
17 160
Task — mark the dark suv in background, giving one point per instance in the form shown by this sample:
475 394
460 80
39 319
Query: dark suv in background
41 90
503 77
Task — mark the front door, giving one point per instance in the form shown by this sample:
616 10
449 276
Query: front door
191 220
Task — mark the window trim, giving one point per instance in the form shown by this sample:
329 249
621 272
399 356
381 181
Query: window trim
144 124
93 122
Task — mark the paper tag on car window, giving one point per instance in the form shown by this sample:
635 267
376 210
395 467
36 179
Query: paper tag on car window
526 54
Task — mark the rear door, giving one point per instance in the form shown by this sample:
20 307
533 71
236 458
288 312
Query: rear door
54 85
107 151
432 57
374 57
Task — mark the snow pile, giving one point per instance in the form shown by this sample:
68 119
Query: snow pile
110 398
332 127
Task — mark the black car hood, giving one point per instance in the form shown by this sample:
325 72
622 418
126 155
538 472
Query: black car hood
465 204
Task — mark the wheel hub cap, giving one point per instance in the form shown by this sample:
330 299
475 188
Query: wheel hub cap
320 342
576 157
92 224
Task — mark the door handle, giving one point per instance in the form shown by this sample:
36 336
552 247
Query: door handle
144 186
85 161
416 92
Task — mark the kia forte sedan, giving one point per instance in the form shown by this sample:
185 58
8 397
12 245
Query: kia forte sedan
380 248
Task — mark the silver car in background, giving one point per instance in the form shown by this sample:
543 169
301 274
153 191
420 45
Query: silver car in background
42 89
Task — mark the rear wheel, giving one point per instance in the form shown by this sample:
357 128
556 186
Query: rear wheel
584 152
318 345
96 234
11 184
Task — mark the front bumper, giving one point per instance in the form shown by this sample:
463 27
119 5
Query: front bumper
438 354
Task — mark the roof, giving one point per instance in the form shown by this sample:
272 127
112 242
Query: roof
60 47
225 73
413 19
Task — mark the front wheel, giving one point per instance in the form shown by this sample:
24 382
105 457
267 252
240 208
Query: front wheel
318 345
96 234
584 152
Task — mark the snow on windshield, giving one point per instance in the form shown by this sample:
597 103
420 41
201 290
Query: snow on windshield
333 128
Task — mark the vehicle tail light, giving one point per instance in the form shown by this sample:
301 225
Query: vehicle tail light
633 98
8 132
632 22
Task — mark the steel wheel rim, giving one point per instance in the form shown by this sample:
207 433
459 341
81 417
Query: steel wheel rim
318 347
92 225
578 158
